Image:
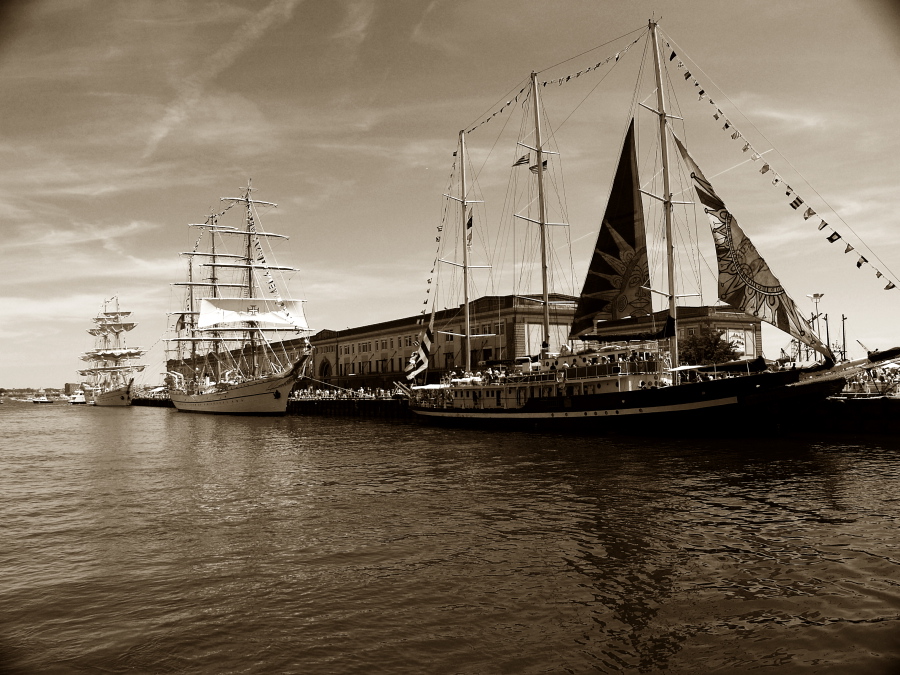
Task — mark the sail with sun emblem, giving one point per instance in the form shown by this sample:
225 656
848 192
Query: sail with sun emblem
618 277
745 280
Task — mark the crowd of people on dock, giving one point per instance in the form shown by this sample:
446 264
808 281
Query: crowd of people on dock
337 393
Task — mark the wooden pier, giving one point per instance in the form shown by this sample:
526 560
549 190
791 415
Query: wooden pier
380 408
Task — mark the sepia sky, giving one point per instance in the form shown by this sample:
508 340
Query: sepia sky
122 122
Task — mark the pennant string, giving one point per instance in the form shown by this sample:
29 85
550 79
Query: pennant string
777 179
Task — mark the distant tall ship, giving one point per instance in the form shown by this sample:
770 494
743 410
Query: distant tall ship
112 367
225 357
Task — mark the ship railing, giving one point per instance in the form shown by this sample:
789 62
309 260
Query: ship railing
611 369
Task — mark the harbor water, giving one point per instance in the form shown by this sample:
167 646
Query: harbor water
143 540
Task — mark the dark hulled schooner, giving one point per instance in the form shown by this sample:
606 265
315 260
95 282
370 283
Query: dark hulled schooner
628 369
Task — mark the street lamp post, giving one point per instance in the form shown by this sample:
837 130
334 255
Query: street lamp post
815 297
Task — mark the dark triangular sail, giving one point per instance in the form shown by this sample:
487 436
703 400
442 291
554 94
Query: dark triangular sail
745 280
618 277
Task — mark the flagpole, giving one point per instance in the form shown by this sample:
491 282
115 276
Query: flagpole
465 237
542 216
667 193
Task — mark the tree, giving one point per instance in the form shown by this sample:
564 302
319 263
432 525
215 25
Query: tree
706 347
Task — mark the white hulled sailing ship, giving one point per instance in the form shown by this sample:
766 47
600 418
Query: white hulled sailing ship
228 355
112 363
627 367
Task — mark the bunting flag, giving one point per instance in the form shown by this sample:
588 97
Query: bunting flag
469 229
524 159
765 168
418 360
534 169
559 81
672 56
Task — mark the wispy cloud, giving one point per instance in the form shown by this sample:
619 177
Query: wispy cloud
191 90
356 23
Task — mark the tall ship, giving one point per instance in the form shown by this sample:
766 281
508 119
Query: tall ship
619 366
227 355
110 376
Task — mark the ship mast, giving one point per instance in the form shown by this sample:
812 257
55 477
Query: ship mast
542 214
667 193
462 198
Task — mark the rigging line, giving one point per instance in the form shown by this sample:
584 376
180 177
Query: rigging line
491 151
578 56
695 259
608 73
788 161
477 122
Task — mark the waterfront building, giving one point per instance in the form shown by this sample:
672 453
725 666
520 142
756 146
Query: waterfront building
503 328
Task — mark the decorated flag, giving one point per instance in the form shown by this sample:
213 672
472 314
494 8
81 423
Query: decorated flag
823 225
889 286
848 248
418 360
764 168
736 135
469 229
862 261
672 56
833 237
745 280
796 203
809 213
878 274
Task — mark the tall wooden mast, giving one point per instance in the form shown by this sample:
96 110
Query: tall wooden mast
667 192
542 214
467 340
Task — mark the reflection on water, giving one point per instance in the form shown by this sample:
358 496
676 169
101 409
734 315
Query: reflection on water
144 540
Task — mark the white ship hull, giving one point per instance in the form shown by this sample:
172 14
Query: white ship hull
114 397
257 397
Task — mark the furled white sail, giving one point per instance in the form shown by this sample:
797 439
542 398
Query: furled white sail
217 311
113 354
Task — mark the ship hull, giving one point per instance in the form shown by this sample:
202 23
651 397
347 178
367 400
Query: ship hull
768 401
258 397
114 398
